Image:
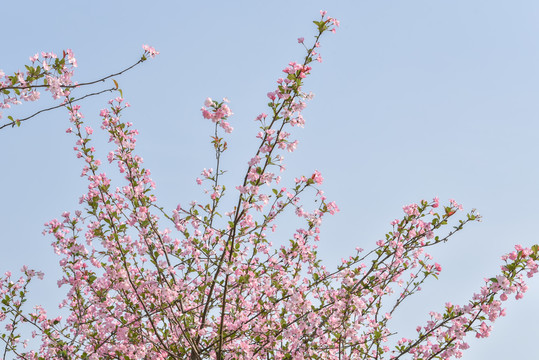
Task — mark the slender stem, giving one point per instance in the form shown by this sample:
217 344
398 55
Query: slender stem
12 124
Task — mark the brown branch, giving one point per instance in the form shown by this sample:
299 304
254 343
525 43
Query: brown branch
56 107
76 85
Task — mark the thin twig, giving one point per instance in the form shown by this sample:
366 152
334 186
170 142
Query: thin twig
75 85
12 124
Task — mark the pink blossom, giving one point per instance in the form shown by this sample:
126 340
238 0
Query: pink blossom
317 177
150 50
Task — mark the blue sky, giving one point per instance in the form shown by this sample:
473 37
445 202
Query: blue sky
413 100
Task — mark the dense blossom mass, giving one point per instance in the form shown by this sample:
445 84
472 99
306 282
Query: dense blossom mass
203 282
55 72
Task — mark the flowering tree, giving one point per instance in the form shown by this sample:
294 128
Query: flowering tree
211 285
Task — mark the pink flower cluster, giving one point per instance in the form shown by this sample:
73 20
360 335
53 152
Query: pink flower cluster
55 72
150 50
217 113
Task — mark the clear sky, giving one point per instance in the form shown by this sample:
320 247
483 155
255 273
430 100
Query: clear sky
414 99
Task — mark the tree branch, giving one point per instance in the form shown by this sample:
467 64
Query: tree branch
12 124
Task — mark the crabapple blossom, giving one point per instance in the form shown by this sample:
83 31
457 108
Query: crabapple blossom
56 74
211 284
